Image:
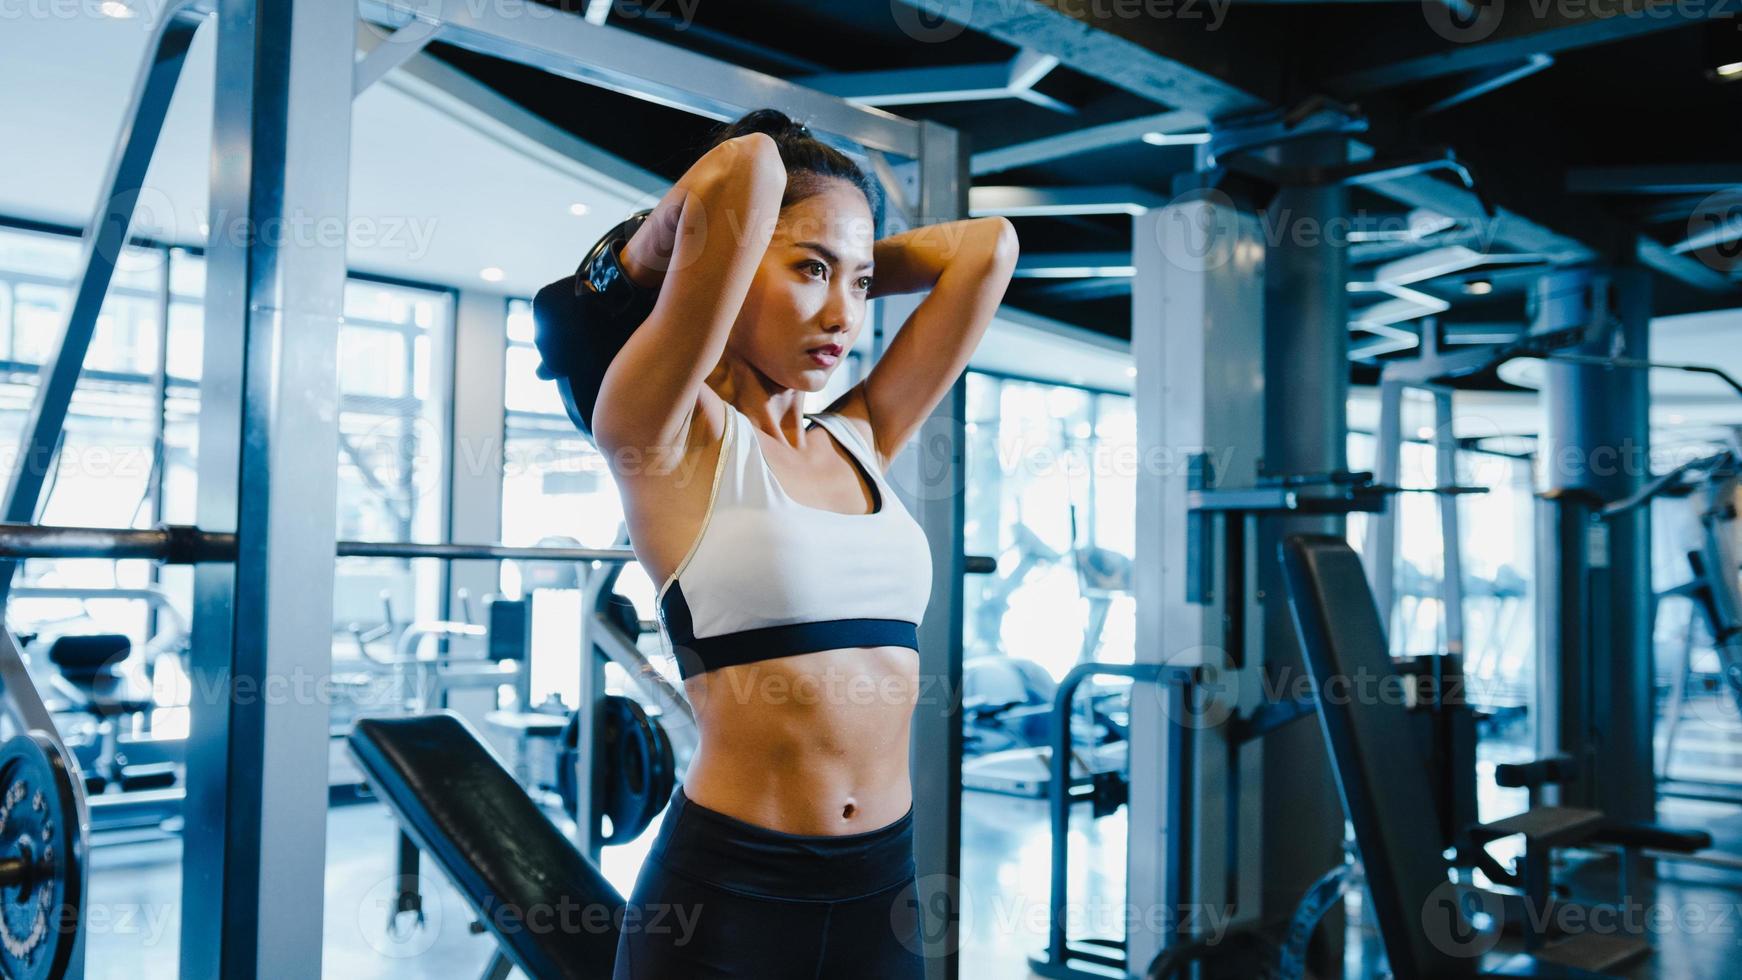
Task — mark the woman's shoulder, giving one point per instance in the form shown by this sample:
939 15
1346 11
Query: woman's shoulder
705 427
851 411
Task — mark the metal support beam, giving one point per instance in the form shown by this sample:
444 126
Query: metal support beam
1085 140
475 451
1082 290
395 50
475 105
1200 97
928 477
1596 694
104 240
1451 537
1074 265
1380 550
1197 318
1047 29
1502 34
665 74
1030 202
253 888
931 84
1306 394
1385 339
1487 80
1682 268
1680 178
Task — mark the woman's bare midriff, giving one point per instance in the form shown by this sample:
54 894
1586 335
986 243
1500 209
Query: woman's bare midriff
809 744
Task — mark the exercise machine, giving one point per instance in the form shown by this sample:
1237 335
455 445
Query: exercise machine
1392 806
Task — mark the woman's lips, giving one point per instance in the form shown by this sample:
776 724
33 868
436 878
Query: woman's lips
825 355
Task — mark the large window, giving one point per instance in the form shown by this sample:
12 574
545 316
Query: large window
106 473
1051 491
393 434
129 457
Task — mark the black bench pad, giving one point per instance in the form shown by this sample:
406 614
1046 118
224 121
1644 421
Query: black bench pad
551 910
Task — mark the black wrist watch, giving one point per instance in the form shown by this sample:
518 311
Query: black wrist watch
601 274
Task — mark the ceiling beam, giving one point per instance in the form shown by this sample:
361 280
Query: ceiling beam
1686 178
1431 264
1166 67
1084 140
479 107
1692 272
1078 290
1097 50
1036 202
1074 265
1013 79
1507 33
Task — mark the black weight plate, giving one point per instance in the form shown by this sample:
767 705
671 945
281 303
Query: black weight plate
39 915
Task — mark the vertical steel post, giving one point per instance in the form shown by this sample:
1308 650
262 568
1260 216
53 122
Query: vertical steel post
477 439
1451 539
1596 682
1381 556
254 868
1306 385
928 477
1197 318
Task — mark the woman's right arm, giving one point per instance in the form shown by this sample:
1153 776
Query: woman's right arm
725 210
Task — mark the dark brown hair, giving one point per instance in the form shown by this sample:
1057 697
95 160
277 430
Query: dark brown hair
810 163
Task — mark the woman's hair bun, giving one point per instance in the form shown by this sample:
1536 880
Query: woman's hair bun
807 158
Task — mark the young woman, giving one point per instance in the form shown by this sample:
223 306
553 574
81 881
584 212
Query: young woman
792 578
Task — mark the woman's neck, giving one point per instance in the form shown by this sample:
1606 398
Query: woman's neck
773 409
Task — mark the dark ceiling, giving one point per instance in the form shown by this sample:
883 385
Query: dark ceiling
1570 122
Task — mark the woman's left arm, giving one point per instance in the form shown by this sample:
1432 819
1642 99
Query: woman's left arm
966 266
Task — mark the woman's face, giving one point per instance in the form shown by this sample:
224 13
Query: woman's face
807 303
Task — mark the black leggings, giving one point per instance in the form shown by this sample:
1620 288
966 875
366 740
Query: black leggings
719 897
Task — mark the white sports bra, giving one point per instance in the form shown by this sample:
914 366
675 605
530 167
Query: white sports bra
771 577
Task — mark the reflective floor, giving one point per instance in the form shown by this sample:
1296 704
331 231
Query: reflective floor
134 922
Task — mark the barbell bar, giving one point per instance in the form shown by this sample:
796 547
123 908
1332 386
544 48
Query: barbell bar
183 544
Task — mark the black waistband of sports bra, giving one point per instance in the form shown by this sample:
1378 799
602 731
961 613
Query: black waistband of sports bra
732 853
702 653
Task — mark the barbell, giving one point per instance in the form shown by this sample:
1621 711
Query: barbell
182 544
41 860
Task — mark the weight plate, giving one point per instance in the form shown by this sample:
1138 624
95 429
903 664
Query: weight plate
39 913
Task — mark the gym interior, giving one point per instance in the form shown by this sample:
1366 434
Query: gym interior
1335 537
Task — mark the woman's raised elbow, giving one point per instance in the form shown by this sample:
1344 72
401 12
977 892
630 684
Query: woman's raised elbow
1005 247
753 158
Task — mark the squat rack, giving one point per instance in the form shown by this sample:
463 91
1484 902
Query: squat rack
253 874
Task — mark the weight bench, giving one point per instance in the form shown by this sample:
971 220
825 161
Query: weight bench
94 675
552 913
1423 916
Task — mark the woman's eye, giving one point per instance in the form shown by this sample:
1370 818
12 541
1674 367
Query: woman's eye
813 263
864 282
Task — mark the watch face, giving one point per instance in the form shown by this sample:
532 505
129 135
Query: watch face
600 270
